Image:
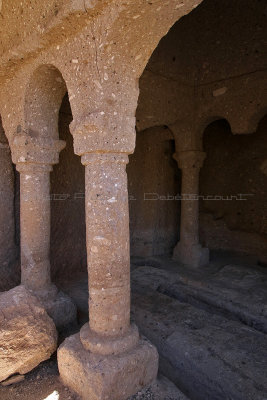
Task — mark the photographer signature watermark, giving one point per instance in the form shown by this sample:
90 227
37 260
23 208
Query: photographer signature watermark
147 197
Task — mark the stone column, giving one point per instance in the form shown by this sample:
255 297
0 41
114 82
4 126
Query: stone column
35 227
107 225
188 250
34 158
113 362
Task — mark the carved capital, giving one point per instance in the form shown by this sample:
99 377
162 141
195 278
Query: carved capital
104 132
190 159
35 150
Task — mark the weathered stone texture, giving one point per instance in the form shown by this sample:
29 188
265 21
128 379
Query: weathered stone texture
27 334
98 377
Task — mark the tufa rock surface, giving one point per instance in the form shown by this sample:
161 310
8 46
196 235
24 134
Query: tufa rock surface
28 335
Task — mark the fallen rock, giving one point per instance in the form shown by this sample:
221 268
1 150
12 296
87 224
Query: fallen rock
13 379
28 335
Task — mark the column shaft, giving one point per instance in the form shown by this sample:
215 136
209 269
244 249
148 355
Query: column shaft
35 225
107 230
189 228
188 250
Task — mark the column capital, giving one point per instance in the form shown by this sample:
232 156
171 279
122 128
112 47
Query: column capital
192 159
28 168
35 150
104 132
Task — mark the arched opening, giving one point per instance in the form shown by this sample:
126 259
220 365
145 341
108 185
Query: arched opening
153 182
68 247
43 99
9 217
234 220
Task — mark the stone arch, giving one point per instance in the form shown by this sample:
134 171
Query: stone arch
43 98
206 122
256 119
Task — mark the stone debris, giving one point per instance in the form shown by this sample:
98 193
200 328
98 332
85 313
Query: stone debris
13 379
161 389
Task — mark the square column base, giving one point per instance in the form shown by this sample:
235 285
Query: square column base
195 256
113 377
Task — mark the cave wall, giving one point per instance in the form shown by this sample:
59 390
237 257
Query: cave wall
212 65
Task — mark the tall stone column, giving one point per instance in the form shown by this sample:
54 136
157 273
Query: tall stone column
188 250
34 158
112 361
107 225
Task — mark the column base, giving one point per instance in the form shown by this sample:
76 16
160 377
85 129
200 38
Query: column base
195 256
58 306
106 345
113 377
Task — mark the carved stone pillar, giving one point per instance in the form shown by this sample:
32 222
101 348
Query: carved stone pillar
34 158
188 250
113 362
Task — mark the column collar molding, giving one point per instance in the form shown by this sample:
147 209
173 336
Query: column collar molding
36 150
102 158
191 159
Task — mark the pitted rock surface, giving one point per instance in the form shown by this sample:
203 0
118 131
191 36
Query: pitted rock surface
28 335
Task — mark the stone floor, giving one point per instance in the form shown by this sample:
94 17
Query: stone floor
231 285
208 324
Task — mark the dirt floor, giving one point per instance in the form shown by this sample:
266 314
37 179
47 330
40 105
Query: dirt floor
43 383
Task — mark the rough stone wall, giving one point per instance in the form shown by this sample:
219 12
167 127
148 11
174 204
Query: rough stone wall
211 64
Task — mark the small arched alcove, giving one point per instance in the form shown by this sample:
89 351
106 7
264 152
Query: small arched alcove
43 99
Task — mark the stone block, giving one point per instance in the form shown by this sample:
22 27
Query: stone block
113 377
28 335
